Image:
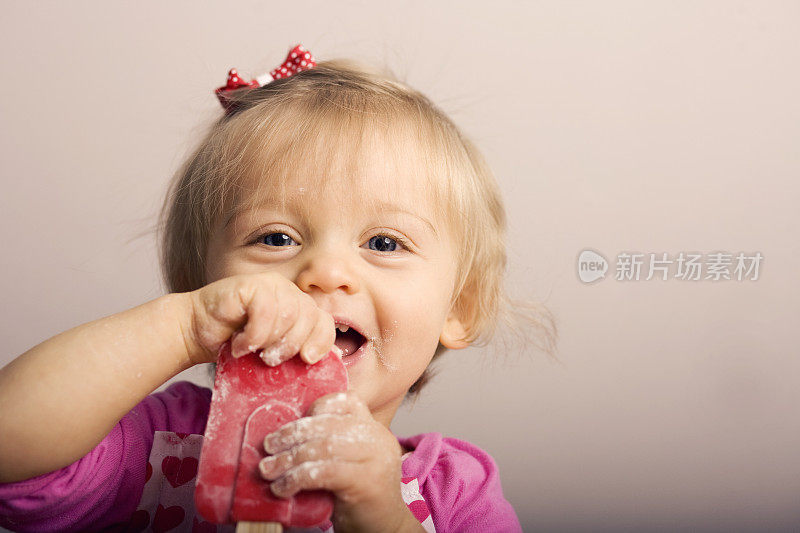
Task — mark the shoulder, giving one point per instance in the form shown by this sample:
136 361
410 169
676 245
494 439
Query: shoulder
182 408
184 392
435 455
460 482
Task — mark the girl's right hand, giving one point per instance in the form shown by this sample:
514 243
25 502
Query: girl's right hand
262 311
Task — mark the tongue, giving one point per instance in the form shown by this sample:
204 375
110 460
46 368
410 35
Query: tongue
346 343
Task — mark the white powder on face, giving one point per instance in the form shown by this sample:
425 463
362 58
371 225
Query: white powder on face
385 362
379 343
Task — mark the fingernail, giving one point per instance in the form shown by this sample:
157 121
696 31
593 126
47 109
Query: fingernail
290 350
267 465
278 486
310 355
272 356
269 443
236 350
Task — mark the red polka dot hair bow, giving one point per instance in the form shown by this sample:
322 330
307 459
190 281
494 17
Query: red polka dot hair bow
296 60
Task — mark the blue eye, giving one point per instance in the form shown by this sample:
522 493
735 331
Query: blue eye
378 243
382 243
275 239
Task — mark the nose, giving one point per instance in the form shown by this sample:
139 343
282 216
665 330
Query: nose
326 272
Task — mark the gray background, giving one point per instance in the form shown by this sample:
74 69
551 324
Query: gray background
617 126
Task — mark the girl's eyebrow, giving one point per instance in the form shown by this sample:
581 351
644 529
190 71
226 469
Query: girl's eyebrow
235 214
386 207
383 207
240 210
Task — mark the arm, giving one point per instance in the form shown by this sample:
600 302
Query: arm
103 487
61 397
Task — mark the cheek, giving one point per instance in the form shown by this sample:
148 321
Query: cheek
217 261
415 314
223 262
215 269
219 266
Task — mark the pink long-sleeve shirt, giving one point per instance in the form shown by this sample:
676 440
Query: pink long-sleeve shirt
458 482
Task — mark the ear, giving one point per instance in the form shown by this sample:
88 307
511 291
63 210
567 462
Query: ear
453 333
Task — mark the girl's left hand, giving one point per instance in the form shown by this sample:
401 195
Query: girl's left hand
340 447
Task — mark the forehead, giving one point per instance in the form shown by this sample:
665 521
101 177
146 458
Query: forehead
359 165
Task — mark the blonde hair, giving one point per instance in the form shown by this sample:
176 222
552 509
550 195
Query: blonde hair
325 117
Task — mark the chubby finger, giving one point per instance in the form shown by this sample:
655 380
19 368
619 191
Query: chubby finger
256 332
288 345
270 313
296 337
340 403
332 447
331 475
289 308
321 426
320 339
300 430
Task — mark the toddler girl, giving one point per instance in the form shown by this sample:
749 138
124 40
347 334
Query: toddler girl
332 209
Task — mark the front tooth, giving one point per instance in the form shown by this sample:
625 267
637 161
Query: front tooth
342 328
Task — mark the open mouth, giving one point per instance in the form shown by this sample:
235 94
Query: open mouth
348 340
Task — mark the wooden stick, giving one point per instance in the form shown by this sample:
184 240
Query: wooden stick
259 527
